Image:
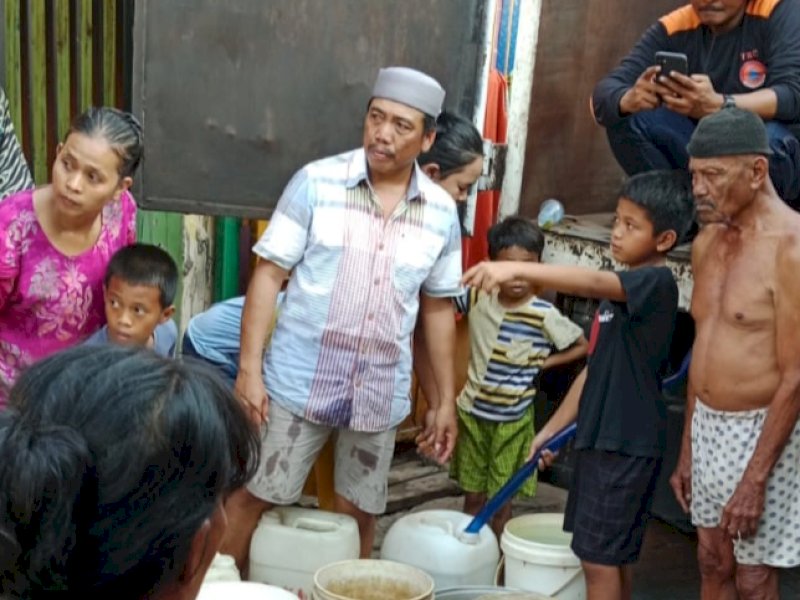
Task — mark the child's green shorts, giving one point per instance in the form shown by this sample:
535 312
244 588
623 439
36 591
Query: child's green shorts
488 453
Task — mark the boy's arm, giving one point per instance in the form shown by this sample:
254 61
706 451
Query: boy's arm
567 279
575 352
567 413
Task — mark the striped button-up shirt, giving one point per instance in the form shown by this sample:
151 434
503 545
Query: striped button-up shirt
340 354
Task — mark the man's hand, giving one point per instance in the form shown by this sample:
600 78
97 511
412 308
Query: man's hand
488 276
250 391
693 96
438 440
681 480
547 458
643 95
741 515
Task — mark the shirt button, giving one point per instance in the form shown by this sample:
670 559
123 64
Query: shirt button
377 281
370 316
358 383
380 246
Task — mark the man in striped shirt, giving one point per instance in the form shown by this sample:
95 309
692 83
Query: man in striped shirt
367 241
14 173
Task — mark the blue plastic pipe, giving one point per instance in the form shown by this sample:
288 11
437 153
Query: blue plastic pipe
554 444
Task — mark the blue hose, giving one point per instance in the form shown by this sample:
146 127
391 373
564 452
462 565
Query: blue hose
554 444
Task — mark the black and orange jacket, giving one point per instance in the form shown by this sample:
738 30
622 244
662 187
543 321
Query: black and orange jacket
762 52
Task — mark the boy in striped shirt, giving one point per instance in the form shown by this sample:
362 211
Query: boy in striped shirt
514 334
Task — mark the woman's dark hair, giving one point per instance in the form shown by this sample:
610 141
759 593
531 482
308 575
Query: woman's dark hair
515 231
457 144
112 459
121 130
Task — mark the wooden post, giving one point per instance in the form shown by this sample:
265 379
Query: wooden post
198 266
519 104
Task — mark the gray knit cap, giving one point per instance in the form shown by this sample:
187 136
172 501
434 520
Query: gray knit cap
410 87
729 132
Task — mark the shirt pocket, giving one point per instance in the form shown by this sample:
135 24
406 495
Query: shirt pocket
414 260
518 351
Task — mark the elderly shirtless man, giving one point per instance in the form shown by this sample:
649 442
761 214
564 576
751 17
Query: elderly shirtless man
738 468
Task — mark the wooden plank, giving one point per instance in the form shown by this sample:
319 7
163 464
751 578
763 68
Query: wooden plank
197 266
62 53
84 32
97 51
38 91
166 231
110 53
13 68
3 38
51 68
174 245
24 132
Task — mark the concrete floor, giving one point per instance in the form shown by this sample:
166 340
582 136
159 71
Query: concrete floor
667 569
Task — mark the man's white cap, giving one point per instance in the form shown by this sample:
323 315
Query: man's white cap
410 87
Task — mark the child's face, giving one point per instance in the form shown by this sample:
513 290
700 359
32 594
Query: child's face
133 312
85 175
633 240
517 289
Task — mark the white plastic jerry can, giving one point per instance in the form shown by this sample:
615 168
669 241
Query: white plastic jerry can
290 544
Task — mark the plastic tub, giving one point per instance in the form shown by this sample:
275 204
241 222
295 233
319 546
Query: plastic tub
370 579
242 590
484 592
538 557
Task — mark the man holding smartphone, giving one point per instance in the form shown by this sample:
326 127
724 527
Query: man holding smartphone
743 53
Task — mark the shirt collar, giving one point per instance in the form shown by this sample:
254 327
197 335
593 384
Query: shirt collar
357 173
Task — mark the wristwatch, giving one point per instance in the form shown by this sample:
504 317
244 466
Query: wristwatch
728 101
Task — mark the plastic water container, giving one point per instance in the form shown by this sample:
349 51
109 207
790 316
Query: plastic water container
432 541
551 213
370 579
539 559
222 568
242 590
290 544
479 592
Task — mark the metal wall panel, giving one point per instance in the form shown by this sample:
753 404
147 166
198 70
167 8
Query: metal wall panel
235 96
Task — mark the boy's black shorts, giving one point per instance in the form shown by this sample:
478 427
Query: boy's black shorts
609 504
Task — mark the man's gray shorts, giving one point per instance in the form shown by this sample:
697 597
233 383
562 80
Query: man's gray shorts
290 446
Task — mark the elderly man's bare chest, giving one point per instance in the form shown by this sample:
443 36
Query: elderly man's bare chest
734 285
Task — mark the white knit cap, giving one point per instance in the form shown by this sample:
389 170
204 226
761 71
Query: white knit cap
410 87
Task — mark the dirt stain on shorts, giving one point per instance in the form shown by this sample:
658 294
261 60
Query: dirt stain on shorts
368 459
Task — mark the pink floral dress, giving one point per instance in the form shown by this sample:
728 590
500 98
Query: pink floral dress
49 301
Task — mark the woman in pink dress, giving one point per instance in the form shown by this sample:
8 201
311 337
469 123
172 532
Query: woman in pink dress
55 241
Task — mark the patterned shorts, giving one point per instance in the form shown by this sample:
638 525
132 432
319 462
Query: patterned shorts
290 445
488 453
722 444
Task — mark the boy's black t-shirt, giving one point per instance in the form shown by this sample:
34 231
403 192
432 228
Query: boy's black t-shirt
621 408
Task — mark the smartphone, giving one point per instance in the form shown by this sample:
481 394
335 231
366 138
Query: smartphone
672 61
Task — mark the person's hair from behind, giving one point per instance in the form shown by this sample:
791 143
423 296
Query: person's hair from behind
457 144
115 466
515 231
145 264
120 129
666 196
